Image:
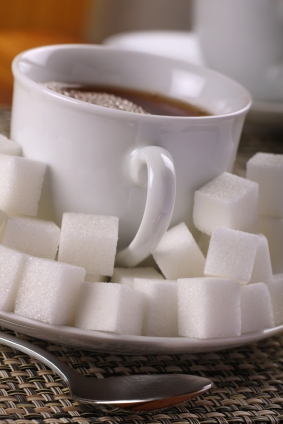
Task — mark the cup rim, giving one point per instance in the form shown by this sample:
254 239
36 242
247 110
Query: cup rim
40 89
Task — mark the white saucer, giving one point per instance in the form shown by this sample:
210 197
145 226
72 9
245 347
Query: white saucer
176 44
185 45
115 343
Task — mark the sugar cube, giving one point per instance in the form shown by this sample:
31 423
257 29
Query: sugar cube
110 307
21 181
227 201
9 147
267 170
256 307
209 307
272 228
32 236
276 293
126 276
231 254
161 311
89 241
48 291
11 265
262 270
178 255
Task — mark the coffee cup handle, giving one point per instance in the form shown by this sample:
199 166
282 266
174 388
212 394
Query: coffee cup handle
160 201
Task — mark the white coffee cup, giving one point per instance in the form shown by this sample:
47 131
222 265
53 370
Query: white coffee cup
97 157
244 39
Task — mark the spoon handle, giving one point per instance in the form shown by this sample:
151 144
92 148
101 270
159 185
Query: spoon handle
63 370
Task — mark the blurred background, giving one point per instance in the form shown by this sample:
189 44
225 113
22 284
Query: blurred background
30 23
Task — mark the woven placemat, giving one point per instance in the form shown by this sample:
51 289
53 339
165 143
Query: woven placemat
248 385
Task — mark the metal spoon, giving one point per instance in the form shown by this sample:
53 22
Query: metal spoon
132 392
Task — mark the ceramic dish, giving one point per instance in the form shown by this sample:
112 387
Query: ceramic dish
114 343
176 44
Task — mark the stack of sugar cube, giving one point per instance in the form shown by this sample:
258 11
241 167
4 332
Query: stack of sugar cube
232 292
60 275
36 284
224 210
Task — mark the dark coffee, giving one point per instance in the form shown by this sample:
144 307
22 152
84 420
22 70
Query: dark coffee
129 100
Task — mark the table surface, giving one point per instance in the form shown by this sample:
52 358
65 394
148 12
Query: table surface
248 380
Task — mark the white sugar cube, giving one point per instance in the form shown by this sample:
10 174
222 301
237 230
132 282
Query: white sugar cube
267 170
110 307
276 293
126 276
272 228
178 255
9 147
262 270
209 307
89 241
32 236
231 254
48 291
256 307
161 312
21 181
11 265
227 201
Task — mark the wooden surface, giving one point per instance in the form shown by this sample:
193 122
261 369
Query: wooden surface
65 16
